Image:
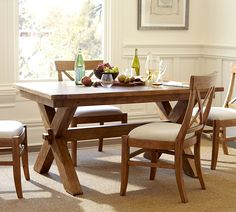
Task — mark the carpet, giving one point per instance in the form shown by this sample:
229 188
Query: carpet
99 175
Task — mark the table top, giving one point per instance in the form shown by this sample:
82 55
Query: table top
61 94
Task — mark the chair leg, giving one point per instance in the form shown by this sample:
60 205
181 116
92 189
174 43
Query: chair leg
74 145
225 148
197 161
179 175
153 169
16 168
224 144
124 165
24 157
100 144
74 152
124 119
215 146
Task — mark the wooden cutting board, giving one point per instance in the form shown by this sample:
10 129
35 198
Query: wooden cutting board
130 84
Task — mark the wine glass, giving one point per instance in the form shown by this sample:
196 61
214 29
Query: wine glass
162 70
107 80
152 68
130 72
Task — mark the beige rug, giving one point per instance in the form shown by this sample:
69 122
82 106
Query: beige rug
99 177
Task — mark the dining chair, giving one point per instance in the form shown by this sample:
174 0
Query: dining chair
220 118
171 138
89 114
13 138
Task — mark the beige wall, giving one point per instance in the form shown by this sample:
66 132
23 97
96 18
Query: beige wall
210 22
132 35
219 24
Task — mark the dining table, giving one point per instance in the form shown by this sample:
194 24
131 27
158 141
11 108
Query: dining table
58 101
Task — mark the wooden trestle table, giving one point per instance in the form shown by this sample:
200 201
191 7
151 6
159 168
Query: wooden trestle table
58 101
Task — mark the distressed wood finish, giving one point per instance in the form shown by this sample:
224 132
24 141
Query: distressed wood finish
67 96
66 67
188 135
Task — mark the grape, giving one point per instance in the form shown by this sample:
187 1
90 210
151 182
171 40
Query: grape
107 65
100 67
115 69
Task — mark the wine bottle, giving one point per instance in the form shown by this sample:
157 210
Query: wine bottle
135 63
79 68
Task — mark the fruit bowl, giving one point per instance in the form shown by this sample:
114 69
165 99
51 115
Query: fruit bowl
99 74
106 68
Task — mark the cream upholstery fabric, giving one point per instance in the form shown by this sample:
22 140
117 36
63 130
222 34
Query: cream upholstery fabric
221 113
9 129
161 131
96 110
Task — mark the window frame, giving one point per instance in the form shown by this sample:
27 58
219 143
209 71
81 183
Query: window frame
106 42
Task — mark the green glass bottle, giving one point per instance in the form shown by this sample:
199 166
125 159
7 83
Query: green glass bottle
79 68
135 63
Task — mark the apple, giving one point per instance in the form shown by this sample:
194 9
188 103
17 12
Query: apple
86 81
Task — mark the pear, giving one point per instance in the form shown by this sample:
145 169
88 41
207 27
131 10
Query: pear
122 78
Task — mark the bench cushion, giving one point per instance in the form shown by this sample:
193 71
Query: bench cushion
100 110
9 128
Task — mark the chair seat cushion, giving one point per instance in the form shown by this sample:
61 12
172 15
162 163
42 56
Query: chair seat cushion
221 113
98 110
160 131
9 129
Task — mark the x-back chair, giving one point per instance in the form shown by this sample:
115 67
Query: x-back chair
171 138
89 114
222 117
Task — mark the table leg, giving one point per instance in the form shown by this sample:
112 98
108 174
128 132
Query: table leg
65 167
175 114
44 159
56 147
45 156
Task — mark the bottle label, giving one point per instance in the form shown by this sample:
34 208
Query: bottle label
79 74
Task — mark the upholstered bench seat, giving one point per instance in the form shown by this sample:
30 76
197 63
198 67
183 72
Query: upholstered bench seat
98 110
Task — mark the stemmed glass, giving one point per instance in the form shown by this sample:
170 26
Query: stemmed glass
162 70
155 69
152 67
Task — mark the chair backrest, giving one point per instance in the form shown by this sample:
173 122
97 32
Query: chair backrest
66 67
230 100
202 91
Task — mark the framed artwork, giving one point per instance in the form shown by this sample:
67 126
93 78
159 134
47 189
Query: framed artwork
163 14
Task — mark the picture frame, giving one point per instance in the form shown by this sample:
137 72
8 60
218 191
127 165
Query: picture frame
163 14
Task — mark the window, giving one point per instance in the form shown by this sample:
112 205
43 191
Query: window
54 29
